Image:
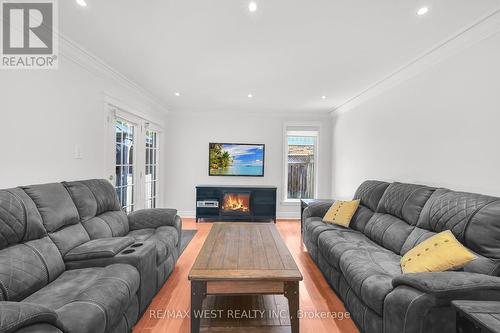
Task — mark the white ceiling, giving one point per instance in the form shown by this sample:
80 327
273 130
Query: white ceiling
287 54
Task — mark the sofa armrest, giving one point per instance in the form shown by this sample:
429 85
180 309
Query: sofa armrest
16 315
443 282
99 248
421 302
317 209
40 328
152 218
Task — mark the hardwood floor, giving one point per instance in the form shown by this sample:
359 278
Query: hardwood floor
167 311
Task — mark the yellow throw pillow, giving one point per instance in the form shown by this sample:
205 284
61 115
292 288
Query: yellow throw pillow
341 212
441 252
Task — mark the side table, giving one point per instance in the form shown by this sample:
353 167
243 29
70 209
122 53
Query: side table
477 316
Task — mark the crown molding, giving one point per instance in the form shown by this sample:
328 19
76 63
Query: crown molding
252 113
481 29
74 52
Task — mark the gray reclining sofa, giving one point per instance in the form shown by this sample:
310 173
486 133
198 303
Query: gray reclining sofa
362 263
72 261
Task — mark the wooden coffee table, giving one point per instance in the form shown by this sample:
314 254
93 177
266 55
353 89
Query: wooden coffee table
244 259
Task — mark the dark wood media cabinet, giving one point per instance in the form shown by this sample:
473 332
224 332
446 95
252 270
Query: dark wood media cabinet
236 203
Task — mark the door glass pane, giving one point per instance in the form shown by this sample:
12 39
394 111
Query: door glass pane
301 166
125 164
151 176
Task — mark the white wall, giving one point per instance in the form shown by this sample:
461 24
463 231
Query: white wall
187 147
441 128
46 113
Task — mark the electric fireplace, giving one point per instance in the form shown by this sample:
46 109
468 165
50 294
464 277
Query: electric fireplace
236 203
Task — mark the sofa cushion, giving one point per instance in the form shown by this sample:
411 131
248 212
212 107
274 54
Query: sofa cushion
99 208
98 297
474 219
93 197
370 192
54 204
105 195
19 218
405 201
69 237
397 214
369 272
108 224
25 268
314 226
164 238
334 243
388 231
83 198
416 237
29 259
22 272
367 267
361 218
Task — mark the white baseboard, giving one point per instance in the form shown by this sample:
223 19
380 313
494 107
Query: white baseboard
289 215
187 214
280 215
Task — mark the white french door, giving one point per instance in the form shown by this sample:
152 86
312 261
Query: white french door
135 160
152 168
126 163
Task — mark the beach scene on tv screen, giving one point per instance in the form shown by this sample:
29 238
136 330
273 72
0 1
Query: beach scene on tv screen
236 160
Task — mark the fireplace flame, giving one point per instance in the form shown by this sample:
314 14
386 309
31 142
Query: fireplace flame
236 202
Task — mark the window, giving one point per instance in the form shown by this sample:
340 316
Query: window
125 163
134 157
301 161
152 159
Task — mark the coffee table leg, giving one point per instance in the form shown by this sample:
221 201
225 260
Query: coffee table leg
198 294
292 294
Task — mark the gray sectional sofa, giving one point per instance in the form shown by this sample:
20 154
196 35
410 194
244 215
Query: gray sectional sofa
72 261
362 263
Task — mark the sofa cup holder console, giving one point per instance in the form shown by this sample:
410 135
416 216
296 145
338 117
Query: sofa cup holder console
128 251
136 245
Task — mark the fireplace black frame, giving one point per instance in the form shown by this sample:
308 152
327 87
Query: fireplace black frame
262 203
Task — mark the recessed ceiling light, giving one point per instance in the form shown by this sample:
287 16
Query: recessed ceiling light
177 94
252 6
323 97
250 96
423 11
82 3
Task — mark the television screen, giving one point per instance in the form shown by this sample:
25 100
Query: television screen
233 159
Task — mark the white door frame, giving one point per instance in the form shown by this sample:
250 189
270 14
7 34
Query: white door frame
116 110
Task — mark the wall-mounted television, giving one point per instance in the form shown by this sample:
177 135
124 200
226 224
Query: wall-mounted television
236 159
